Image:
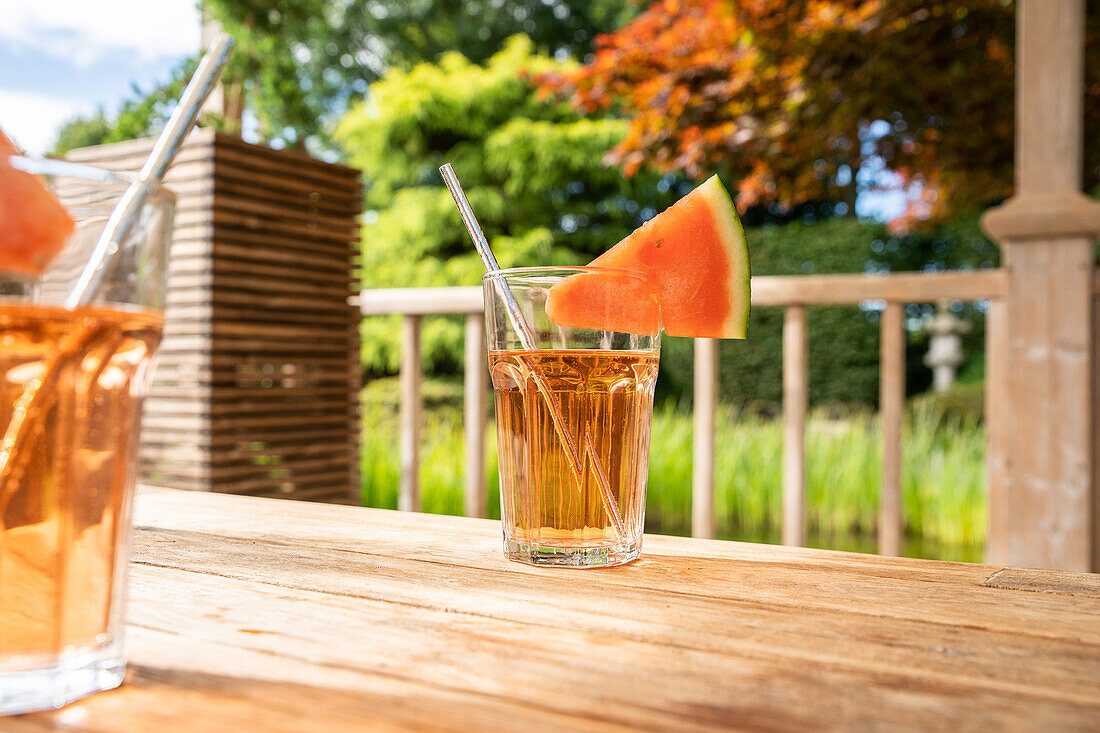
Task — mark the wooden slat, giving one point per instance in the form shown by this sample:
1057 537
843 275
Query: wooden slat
409 493
310 200
274 404
290 163
259 300
232 438
267 184
292 273
702 465
283 214
246 237
891 411
256 252
474 416
259 484
795 401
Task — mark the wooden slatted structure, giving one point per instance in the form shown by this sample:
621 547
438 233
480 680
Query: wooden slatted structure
257 386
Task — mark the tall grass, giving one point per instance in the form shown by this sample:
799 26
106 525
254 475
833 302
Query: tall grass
943 491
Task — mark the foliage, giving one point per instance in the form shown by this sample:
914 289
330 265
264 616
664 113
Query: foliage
964 401
943 492
301 63
82 132
793 98
531 169
843 341
143 114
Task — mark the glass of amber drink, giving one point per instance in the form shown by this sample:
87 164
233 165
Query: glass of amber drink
71 389
574 405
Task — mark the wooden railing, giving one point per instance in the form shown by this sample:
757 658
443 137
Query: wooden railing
893 291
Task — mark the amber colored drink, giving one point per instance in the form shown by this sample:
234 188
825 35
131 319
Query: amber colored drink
606 400
71 385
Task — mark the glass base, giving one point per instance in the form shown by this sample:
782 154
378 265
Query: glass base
543 555
62 682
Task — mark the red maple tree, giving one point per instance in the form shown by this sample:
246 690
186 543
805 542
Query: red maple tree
792 99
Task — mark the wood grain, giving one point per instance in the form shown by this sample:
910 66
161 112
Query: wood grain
253 613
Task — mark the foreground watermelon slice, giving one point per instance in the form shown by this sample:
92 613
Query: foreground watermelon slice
34 226
694 254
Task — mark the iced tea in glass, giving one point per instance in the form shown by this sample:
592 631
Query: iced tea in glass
573 418
71 389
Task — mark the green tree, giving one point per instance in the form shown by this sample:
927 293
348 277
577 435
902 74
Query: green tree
531 168
301 63
82 132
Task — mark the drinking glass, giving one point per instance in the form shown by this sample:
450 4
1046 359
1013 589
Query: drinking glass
574 408
71 390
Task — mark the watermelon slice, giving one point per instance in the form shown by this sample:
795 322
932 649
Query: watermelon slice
694 253
34 226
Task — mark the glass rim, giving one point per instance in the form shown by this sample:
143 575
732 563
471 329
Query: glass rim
42 165
565 270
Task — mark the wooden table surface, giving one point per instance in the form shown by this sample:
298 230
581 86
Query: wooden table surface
258 614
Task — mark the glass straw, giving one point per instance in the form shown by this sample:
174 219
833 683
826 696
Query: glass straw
527 340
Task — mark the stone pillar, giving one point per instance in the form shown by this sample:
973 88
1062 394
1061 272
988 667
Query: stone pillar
1045 504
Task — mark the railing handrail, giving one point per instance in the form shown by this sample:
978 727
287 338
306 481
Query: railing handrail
460 300
767 290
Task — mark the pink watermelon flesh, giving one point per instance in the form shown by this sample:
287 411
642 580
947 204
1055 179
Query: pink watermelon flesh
34 226
694 254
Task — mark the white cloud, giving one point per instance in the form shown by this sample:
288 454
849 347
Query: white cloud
32 119
82 31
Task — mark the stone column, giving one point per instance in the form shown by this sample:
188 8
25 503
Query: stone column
1045 505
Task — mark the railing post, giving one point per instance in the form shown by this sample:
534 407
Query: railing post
891 408
996 421
795 400
408 499
474 418
702 467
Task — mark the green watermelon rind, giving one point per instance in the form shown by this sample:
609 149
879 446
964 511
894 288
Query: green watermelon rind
733 235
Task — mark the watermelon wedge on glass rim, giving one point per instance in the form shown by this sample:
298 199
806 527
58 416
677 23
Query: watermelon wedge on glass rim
34 226
695 257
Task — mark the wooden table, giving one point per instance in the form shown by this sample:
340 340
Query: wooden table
258 614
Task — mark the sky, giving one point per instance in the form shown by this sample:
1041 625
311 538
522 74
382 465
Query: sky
63 58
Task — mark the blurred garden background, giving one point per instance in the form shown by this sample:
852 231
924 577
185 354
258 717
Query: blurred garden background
857 136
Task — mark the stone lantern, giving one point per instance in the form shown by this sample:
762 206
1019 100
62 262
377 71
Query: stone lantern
945 352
